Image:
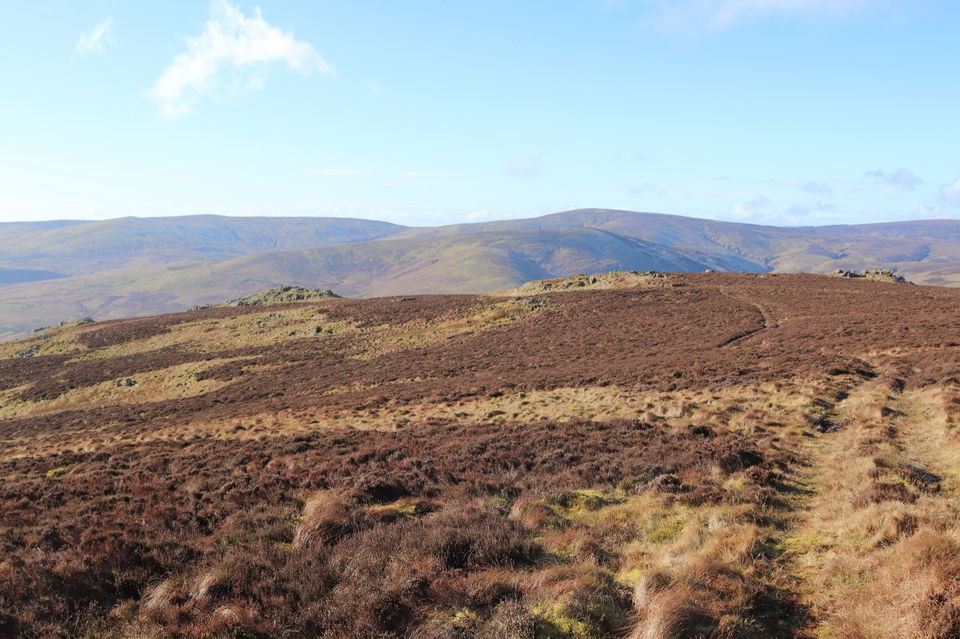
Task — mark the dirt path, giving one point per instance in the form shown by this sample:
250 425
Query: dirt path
810 495
767 319
879 484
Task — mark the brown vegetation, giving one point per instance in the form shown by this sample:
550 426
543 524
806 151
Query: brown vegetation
714 456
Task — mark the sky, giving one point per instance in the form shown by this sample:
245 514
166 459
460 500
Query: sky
423 112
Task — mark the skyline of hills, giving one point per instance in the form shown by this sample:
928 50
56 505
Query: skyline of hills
58 270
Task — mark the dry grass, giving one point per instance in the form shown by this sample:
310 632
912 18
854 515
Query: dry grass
878 554
751 409
224 334
174 382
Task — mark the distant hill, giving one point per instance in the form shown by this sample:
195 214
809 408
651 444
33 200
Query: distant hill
53 271
926 251
73 248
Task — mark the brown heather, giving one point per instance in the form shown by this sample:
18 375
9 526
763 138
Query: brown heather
717 456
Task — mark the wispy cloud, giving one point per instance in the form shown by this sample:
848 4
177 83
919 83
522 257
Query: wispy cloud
808 213
335 172
95 40
749 209
418 175
231 55
951 192
725 14
646 188
524 168
817 188
899 180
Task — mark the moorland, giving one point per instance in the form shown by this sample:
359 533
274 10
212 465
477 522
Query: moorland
643 455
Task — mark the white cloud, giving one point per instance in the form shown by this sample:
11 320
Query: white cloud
335 172
231 55
725 14
899 180
95 40
951 192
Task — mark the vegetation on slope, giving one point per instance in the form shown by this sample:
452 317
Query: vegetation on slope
87 247
126 267
475 263
702 455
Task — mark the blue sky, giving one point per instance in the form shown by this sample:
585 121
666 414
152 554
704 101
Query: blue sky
439 111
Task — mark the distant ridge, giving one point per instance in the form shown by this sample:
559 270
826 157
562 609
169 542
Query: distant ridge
142 266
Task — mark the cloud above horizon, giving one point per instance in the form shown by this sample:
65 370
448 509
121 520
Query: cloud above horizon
95 40
817 188
335 172
725 14
419 175
230 56
951 192
749 209
526 168
900 180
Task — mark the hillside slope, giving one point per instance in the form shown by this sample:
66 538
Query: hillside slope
470 263
927 251
120 268
683 455
72 248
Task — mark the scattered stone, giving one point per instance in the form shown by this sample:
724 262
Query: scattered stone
880 275
80 321
612 279
276 295
126 383
29 352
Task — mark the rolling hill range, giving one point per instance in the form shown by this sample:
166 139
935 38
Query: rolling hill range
119 268
648 456
74 248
